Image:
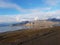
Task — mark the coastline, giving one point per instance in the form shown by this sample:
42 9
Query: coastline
25 36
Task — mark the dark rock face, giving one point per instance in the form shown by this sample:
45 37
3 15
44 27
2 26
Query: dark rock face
54 19
21 23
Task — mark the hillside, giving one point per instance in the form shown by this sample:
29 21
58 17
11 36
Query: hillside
20 23
41 24
48 36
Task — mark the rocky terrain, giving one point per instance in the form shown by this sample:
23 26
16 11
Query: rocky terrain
47 36
40 24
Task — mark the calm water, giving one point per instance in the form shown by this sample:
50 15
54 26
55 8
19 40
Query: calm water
11 28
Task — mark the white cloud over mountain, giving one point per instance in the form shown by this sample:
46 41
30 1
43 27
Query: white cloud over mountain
31 16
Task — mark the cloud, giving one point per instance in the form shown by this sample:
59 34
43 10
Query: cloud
31 13
5 4
52 2
40 15
38 9
30 16
7 18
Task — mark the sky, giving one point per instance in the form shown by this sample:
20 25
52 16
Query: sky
21 10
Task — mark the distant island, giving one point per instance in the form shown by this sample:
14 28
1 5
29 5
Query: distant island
53 19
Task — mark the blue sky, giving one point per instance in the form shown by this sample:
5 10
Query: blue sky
18 10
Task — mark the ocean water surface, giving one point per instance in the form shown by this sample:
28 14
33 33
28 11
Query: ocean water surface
12 28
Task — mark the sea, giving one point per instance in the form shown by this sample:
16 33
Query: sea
11 28
5 28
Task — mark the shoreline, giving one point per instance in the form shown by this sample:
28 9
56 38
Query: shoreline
25 36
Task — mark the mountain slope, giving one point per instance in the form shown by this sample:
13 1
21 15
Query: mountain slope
54 19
